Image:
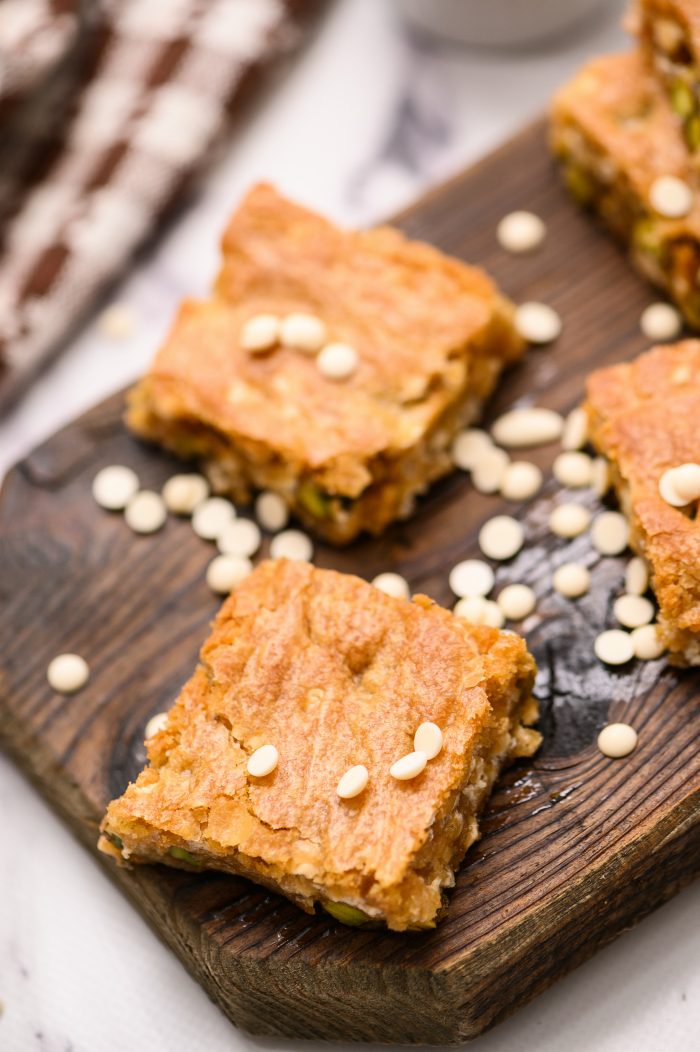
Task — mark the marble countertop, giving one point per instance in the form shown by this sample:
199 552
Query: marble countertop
367 117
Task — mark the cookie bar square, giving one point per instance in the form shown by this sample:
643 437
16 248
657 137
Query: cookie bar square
623 155
669 32
430 337
333 673
644 418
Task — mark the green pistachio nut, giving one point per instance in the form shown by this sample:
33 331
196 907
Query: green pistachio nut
645 236
691 130
682 98
346 914
186 856
579 184
316 502
116 840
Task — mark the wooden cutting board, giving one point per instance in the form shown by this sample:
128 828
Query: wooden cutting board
576 847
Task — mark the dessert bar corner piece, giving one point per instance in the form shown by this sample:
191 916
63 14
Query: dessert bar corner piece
333 673
623 155
644 418
669 32
349 437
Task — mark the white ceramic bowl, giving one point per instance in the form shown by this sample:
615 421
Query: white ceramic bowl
498 23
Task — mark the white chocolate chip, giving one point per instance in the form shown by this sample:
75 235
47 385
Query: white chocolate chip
291 544
636 576
647 643
271 511
478 611
501 537
660 322
617 740
517 601
225 572
353 782
487 475
670 197
146 512
182 493
409 766
67 673
304 332
571 580
614 647
600 476
392 584
521 480
610 533
155 724
686 481
527 426
573 469
260 333
469 447
113 487
337 361
117 321
428 739
632 611
263 761
211 516
680 486
575 433
537 322
239 537
681 374
569 520
472 577
520 232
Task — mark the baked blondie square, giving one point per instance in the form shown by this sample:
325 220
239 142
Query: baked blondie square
375 351
669 32
330 675
644 417
623 155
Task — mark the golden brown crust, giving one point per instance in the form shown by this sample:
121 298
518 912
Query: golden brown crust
644 418
615 134
684 13
432 335
333 673
617 102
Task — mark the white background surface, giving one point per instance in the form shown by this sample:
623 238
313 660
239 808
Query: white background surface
361 122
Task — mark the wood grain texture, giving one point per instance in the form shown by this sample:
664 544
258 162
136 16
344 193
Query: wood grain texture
576 848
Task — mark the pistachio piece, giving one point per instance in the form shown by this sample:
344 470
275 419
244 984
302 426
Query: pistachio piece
692 132
579 184
346 914
316 502
682 99
645 236
116 840
186 856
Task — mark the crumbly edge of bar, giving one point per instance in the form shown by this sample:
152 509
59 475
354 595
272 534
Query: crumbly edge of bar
594 181
666 41
683 646
413 904
236 466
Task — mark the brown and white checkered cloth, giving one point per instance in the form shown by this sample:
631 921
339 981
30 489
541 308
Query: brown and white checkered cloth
155 86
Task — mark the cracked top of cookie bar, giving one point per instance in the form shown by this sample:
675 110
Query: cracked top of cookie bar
333 673
645 418
617 101
420 322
